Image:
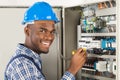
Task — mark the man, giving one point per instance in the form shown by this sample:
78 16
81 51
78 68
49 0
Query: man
39 21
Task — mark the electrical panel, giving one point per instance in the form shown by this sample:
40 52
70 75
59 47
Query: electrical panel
97 33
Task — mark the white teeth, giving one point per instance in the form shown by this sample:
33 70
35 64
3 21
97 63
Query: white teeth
45 43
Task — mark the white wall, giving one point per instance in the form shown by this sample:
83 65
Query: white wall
65 3
118 40
27 2
69 3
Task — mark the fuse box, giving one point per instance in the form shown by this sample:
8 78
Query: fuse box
97 33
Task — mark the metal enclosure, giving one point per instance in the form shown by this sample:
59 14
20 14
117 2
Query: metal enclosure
71 18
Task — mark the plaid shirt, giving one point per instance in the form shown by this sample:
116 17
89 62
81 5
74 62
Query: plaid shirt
23 69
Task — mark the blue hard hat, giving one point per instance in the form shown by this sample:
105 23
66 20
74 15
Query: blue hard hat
39 11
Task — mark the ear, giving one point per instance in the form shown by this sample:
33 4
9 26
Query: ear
27 30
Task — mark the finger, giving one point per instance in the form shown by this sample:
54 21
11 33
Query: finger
83 53
77 51
80 50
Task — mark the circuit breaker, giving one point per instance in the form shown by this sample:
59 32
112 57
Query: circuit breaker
92 26
97 33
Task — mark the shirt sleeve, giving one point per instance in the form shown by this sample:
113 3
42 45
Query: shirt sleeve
25 71
68 76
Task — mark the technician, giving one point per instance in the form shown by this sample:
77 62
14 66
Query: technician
26 64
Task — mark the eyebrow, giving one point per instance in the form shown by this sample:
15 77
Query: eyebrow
43 28
46 29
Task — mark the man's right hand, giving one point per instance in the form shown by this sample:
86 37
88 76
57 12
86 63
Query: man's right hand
77 61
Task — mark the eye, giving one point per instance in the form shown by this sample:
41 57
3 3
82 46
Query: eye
42 30
53 32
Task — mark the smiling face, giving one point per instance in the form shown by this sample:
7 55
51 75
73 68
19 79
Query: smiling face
39 36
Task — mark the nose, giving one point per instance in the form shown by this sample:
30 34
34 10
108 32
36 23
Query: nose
49 36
